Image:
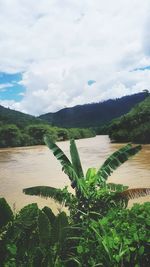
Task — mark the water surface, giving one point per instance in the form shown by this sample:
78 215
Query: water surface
30 166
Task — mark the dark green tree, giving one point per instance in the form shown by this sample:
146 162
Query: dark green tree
10 135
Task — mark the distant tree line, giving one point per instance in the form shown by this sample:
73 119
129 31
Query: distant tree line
12 136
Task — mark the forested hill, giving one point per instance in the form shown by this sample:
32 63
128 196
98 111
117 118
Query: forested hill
93 115
134 126
19 129
9 116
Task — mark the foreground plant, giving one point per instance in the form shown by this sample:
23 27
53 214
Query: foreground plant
120 239
32 237
92 192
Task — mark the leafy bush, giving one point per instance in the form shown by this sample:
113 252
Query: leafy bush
29 238
10 136
37 133
119 239
134 126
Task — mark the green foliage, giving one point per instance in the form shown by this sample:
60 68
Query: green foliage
31 240
10 136
92 193
62 158
116 159
21 120
76 159
60 229
6 214
44 229
134 126
51 192
37 133
49 214
98 232
19 129
62 134
119 239
94 114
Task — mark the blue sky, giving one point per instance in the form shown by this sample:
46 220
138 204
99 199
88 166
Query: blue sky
61 53
142 68
90 82
10 89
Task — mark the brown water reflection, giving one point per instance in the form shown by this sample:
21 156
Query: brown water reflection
29 166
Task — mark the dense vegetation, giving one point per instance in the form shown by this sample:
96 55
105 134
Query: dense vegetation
134 126
21 120
33 237
19 129
99 231
38 238
93 115
12 136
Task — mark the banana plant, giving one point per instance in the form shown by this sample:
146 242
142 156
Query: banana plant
92 191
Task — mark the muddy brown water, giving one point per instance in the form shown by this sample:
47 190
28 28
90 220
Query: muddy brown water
29 166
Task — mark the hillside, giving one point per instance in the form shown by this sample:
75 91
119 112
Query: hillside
93 115
134 126
19 129
9 116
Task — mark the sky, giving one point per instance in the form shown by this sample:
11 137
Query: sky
61 53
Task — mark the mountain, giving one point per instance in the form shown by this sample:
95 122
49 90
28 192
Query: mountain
9 116
95 114
134 126
19 129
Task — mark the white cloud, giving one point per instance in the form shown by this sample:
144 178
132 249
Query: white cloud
60 45
3 86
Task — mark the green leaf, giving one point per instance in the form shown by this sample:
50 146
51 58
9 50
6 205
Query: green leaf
59 231
65 162
76 159
49 214
47 191
141 250
12 249
90 174
6 213
27 216
116 159
58 153
116 187
80 249
44 229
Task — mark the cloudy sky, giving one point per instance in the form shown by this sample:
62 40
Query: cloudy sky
60 53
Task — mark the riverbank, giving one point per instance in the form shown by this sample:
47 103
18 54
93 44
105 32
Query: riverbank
13 136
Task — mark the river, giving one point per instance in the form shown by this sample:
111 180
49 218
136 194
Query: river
29 166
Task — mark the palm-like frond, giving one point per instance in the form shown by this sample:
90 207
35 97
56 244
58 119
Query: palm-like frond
134 193
116 159
49 192
76 159
116 187
65 162
58 153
